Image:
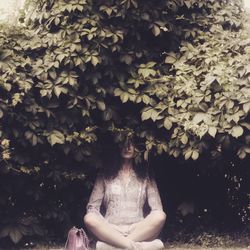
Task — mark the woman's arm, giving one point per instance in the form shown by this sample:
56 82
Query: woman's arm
96 196
153 197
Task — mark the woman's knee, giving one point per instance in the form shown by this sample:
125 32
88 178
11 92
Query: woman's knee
160 217
90 219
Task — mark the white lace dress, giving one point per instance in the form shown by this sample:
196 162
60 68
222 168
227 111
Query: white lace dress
124 199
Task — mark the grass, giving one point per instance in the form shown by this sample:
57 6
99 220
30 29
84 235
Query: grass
167 247
210 240
179 240
172 247
202 241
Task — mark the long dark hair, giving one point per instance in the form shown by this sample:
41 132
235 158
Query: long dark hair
112 161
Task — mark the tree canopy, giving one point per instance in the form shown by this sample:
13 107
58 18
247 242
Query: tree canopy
175 74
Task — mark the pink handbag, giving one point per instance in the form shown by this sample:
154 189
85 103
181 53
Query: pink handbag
77 240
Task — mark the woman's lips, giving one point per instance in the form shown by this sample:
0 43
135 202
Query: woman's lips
128 152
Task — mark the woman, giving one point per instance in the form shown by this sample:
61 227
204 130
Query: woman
124 194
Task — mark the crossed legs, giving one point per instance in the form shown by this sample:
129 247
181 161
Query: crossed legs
149 228
104 231
145 230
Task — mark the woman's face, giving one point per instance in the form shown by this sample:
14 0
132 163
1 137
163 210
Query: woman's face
128 151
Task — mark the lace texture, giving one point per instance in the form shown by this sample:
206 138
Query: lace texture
124 198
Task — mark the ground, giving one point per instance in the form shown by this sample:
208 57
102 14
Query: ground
172 247
201 241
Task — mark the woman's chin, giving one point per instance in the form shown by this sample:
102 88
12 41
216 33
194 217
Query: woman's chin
127 157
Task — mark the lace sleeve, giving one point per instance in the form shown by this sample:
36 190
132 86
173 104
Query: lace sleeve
96 196
154 200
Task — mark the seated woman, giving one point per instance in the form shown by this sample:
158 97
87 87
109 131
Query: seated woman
124 193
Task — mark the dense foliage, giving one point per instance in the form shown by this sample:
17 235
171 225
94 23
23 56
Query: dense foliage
207 94
82 70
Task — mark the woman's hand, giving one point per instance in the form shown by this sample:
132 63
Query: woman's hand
117 228
132 227
124 229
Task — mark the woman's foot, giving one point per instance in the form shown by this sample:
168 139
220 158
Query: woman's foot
100 245
149 245
143 245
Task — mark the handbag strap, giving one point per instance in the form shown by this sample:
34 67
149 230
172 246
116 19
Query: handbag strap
85 237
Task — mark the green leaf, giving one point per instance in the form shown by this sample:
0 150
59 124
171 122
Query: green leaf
124 97
246 107
60 57
118 92
241 153
145 155
246 125
212 131
28 134
156 30
199 117
131 91
127 59
5 53
151 64
52 74
146 114
237 131
146 72
170 58
15 235
167 124
247 149
7 86
188 3
95 60
146 99
107 115
176 153
188 154
57 21
59 89
195 155
184 139
101 105
56 137
154 115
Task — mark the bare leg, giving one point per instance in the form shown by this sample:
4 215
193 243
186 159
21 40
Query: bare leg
105 232
149 228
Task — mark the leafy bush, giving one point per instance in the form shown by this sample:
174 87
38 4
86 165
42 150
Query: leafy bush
83 69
